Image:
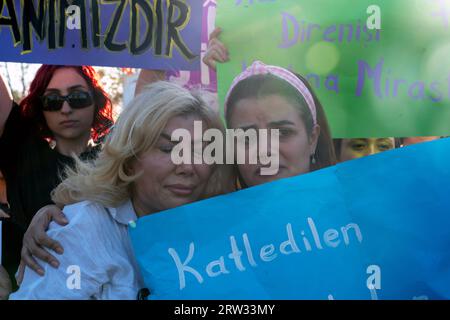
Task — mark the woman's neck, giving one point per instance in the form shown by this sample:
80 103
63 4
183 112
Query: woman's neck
140 209
68 146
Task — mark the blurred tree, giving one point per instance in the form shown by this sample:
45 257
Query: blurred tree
17 78
24 69
112 80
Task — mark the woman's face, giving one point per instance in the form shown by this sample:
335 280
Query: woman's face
295 147
68 123
357 148
164 185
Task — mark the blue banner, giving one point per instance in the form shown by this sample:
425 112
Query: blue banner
152 34
373 228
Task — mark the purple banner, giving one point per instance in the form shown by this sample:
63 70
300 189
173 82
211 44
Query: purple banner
205 78
151 34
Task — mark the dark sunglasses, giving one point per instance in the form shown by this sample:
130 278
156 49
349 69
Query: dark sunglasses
76 100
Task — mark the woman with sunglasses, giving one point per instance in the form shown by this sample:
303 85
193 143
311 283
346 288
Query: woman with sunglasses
65 113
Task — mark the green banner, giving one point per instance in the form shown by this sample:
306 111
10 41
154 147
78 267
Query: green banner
381 68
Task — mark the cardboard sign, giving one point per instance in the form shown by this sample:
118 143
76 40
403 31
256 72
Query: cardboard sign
380 68
152 34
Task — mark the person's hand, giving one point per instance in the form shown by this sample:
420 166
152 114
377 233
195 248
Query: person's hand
146 77
217 52
3 214
5 284
36 240
4 207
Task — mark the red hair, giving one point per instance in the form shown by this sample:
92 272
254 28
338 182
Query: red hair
31 105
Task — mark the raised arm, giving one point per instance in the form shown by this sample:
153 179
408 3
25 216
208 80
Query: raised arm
82 260
5 104
146 77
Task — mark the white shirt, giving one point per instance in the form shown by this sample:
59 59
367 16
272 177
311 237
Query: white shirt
97 247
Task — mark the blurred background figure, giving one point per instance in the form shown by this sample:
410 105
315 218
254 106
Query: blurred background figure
413 140
348 149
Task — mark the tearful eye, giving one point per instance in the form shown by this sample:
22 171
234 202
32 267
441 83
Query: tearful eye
358 146
166 148
385 147
285 132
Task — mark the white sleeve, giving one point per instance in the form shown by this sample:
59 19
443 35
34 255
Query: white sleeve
82 271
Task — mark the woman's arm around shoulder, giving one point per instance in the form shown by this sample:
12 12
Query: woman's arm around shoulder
83 269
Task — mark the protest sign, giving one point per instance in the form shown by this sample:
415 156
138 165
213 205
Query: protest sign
380 68
152 34
205 78
371 228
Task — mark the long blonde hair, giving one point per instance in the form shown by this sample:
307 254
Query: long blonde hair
138 128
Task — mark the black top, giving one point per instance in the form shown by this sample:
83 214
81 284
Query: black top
31 169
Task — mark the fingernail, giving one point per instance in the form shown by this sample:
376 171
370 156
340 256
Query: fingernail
41 272
59 251
54 264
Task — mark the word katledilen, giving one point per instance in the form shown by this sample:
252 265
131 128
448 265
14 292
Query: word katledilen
49 20
241 147
267 253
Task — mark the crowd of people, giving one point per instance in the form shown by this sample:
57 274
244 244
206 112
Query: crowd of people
74 180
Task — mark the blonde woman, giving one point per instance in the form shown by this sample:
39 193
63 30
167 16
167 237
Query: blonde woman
132 177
